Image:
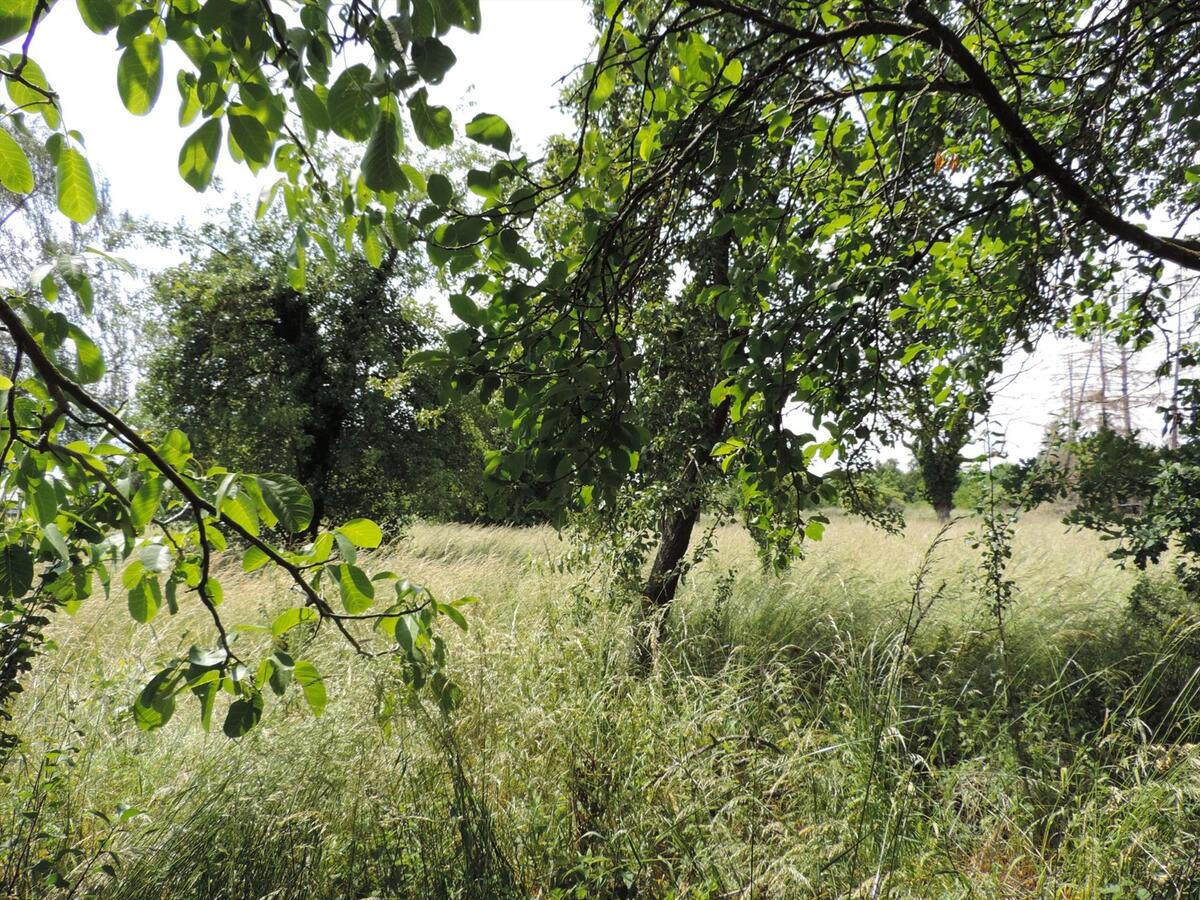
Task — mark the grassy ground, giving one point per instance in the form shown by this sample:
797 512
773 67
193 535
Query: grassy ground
804 735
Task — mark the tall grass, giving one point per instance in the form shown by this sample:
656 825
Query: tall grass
836 731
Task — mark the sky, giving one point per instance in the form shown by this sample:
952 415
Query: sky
512 68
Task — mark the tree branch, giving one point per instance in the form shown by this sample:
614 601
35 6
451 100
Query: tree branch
1185 253
61 386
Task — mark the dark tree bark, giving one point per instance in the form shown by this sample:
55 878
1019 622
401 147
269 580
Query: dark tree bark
295 326
679 522
676 535
324 383
938 453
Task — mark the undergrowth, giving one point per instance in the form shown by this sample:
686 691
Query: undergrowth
844 730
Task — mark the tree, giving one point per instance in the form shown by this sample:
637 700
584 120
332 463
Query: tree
917 157
885 171
897 485
309 382
937 444
78 510
38 246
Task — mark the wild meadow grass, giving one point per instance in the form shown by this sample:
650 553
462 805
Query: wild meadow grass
831 731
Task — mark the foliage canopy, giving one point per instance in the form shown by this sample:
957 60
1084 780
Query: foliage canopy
844 188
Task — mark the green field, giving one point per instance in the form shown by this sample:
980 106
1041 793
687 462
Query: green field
799 735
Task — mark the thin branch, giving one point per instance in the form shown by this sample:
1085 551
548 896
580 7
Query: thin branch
1185 253
61 387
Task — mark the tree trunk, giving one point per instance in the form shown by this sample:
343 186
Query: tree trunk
1104 423
943 510
1176 373
324 430
1126 399
677 527
678 523
323 389
296 327
663 580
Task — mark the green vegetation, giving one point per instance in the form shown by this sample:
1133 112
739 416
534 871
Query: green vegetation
828 733
783 235
310 382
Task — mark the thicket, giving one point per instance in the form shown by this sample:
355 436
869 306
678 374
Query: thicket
309 380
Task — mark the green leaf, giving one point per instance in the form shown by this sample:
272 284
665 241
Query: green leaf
464 307
15 18
243 715
362 533
55 539
414 176
462 13
139 74
15 172
155 704
312 109
453 614
133 574
144 503
133 23
358 593
432 59
287 500
75 187
45 502
310 680
491 130
89 360
144 600
24 95
155 558
242 510
254 559
16 570
206 693
280 669
380 165
911 352
603 87
98 15
198 156
322 547
290 618
431 123
251 138
206 658
346 548
440 190
351 108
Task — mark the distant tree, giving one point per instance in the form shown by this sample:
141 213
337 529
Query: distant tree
935 423
1107 386
937 442
38 246
896 484
309 382
903 484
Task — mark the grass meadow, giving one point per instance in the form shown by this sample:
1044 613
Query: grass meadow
828 732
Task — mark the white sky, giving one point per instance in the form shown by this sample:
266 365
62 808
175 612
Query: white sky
510 68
